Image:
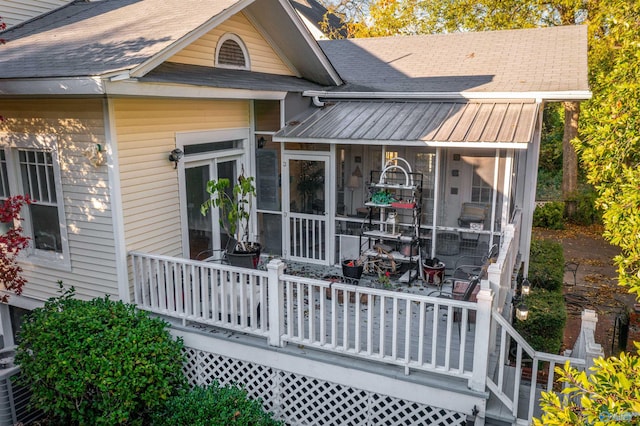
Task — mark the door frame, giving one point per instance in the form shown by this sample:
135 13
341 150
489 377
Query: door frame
239 154
329 214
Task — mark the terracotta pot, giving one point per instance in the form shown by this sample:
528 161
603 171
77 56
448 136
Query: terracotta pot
409 250
430 272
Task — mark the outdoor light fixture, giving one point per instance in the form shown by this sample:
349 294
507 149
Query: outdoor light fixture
522 312
175 157
261 142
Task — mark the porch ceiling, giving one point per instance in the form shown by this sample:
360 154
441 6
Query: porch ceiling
486 124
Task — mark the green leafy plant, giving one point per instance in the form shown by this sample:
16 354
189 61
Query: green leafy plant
544 327
586 211
549 215
610 395
12 242
235 207
98 362
214 405
546 264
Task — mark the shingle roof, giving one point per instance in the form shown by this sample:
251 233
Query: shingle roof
93 38
226 78
542 59
434 122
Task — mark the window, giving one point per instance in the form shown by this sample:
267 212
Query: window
4 178
34 170
231 53
480 188
37 175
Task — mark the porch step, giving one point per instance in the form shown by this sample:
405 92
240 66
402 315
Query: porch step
496 413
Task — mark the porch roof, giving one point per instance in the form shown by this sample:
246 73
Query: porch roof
487 124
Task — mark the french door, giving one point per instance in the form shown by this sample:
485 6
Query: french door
205 234
306 208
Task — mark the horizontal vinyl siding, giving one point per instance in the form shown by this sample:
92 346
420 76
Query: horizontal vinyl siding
262 56
146 132
15 11
77 125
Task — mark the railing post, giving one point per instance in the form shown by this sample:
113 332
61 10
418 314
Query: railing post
592 349
275 302
478 380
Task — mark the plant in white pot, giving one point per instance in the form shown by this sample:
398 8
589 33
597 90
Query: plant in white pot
235 211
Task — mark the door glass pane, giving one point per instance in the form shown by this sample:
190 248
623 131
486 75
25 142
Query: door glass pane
200 231
226 170
307 193
268 177
270 226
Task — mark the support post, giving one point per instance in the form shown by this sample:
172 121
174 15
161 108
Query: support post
478 380
592 350
275 302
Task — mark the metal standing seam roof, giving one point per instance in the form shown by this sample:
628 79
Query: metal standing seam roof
432 122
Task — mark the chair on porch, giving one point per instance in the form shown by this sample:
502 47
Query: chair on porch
460 290
468 266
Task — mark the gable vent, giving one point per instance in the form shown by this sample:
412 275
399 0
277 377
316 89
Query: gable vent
231 53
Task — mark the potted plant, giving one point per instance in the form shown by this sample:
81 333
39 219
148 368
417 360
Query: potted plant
235 211
353 268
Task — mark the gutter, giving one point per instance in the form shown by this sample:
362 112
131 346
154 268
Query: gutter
52 86
572 95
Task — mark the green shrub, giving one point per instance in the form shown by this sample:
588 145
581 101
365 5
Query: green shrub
544 327
546 264
586 211
549 215
214 405
549 185
98 362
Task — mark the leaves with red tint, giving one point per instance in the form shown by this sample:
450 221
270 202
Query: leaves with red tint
12 242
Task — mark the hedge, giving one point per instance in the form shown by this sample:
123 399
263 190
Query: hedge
546 264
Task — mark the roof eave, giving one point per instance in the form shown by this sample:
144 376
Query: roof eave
417 143
68 86
176 90
546 96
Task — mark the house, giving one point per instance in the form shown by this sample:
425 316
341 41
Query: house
117 112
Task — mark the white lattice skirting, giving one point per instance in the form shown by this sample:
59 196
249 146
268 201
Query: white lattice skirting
302 400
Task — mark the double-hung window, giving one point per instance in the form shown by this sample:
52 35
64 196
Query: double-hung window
34 171
37 178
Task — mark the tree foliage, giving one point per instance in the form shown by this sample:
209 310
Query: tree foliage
610 395
610 147
11 244
98 362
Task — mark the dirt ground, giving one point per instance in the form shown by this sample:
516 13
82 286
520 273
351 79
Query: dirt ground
596 284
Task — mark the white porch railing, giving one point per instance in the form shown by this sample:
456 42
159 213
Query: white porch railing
512 351
414 331
202 292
